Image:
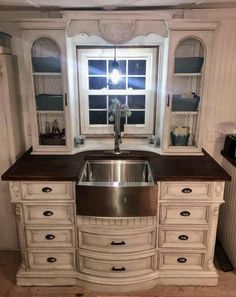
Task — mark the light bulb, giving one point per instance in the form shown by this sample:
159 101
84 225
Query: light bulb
115 76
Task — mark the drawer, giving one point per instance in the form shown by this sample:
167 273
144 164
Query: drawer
172 237
47 191
116 241
188 190
62 213
51 259
184 214
182 261
50 237
117 266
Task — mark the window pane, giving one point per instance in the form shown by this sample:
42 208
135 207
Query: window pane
97 67
119 97
97 102
122 66
97 117
136 83
119 86
137 117
97 83
137 67
136 101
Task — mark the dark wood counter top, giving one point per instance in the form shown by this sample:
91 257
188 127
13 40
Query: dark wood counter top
68 167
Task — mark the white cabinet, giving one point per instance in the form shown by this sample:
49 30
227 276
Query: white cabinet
189 60
175 247
46 70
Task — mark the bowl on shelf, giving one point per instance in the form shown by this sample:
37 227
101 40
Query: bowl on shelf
180 103
46 64
188 65
49 102
179 136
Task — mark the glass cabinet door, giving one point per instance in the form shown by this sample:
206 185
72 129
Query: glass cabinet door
48 90
185 100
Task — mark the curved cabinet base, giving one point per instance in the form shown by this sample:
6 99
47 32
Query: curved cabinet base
65 278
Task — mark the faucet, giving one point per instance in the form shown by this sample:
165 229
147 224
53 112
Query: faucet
117 132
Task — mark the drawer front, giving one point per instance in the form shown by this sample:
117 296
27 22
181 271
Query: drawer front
182 238
186 214
118 242
47 191
46 260
49 214
182 261
117 268
50 237
189 190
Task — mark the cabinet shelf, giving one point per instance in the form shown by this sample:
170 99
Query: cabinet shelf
50 111
188 74
185 112
47 73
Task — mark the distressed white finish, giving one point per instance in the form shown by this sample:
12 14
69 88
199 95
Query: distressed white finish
58 36
125 254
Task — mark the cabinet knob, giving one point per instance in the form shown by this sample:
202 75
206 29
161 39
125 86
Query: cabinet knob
118 243
51 260
183 237
46 190
185 213
47 213
50 236
187 190
182 260
118 269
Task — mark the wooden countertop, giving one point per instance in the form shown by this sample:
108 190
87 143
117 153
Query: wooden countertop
68 167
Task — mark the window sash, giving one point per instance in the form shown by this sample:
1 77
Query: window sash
147 54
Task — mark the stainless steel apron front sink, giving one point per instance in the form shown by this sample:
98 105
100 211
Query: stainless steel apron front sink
115 188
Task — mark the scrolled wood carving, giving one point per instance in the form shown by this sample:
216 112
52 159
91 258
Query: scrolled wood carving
15 191
116 31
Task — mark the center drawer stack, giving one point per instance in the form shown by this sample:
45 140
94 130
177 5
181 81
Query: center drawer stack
115 248
184 225
49 218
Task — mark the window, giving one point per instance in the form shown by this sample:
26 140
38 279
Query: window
136 88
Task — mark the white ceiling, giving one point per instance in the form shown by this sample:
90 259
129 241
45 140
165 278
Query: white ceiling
80 4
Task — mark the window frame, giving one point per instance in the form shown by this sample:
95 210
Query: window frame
148 53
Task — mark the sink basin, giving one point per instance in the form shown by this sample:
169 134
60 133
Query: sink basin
116 173
116 188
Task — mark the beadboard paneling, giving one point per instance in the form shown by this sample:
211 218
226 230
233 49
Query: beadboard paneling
227 219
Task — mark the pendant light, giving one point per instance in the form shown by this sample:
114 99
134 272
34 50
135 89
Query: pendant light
115 71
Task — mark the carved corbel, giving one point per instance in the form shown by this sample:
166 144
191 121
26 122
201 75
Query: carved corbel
15 191
116 32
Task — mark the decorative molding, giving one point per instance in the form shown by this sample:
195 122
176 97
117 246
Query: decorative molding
116 32
219 189
191 25
122 222
15 191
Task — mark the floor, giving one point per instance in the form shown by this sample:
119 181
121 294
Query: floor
9 263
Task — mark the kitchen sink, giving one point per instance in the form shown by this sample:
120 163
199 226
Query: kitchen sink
119 173
113 188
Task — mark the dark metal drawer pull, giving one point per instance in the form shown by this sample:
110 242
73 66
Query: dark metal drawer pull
46 190
187 190
50 236
118 243
118 269
183 237
182 260
47 213
51 259
185 213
